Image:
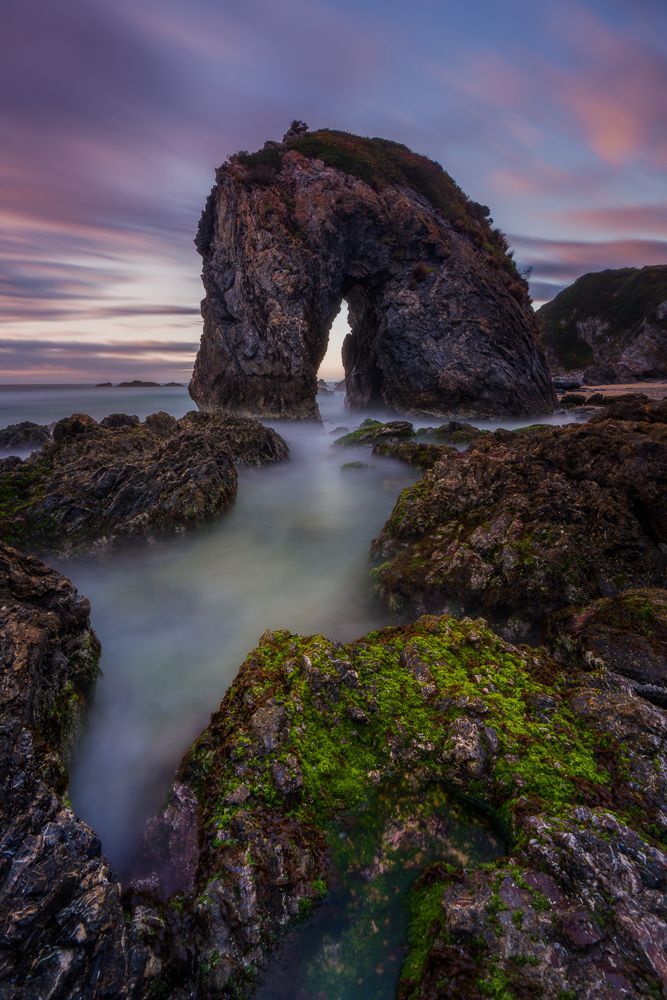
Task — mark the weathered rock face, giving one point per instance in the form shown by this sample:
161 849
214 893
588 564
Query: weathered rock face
628 633
63 933
520 526
440 318
310 728
609 325
96 485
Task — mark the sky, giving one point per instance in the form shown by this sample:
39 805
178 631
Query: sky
115 113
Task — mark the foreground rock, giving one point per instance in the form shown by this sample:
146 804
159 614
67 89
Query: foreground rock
311 728
63 933
610 325
440 318
99 484
520 526
310 732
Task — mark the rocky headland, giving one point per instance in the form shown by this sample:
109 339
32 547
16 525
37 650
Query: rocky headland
440 317
609 326
95 485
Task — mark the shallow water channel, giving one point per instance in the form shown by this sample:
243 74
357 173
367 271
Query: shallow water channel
176 619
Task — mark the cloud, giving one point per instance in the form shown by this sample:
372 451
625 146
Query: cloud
24 358
565 260
621 219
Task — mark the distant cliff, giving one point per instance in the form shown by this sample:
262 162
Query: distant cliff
612 325
440 317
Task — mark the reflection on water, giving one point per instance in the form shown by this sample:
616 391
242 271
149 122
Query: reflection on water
356 942
177 619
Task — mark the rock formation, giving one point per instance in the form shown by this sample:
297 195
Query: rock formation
309 732
522 525
23 436
311 729
609 325
96 484
63 933
440 318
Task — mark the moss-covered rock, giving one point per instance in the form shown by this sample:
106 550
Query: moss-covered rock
311 729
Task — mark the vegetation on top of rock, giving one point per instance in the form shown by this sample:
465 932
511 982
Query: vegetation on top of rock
381 162
600 315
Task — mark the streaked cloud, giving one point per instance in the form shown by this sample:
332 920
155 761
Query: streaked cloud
114 115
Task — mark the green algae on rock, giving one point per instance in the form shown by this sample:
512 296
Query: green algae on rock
311 729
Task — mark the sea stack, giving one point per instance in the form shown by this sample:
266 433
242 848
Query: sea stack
440 318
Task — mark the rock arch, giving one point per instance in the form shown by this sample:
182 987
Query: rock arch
440 320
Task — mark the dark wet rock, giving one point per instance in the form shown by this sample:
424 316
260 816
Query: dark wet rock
627 633
63 932
573 399
115 420
578 912
24 435
522 525
424 456
355 466
161 423
566 383
309 728
454 432
96 484
371 431
440 318
76 426
612 324
634 407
